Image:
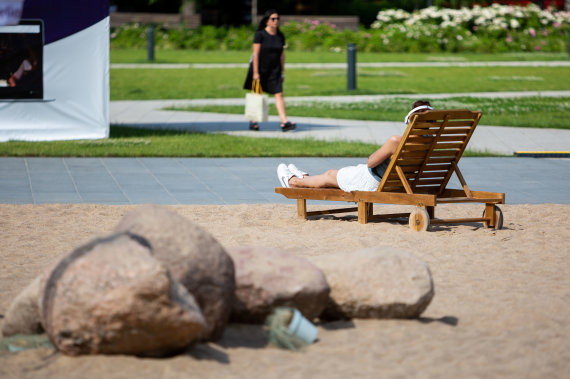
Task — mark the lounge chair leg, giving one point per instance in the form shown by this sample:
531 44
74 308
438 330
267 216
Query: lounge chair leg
370 210
495 216
363 212
490 213
302 209
431 212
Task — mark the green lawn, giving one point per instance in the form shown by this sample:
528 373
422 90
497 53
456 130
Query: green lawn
193 83
146 84
136 142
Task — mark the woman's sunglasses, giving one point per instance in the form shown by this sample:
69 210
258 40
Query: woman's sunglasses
274 18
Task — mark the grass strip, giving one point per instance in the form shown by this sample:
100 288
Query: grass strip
141 142
218 56
533 111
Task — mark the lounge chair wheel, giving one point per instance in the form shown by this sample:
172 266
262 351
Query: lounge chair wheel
498 217
419 220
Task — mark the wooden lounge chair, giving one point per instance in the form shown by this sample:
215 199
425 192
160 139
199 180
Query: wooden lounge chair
417 175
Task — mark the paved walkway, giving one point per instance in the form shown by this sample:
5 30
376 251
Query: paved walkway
335 66
123 181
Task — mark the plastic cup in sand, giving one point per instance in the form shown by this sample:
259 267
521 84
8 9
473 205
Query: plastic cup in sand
302 328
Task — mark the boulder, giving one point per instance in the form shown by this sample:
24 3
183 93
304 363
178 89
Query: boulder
111 296
269 277
378 282
193 256
23 315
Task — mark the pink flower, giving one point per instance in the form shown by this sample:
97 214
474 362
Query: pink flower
509 38
537 48
475 28
532 32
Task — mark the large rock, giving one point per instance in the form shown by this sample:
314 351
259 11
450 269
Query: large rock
376 283
23 315
194 257
269 277
112 296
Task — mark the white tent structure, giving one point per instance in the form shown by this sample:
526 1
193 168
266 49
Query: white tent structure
75 99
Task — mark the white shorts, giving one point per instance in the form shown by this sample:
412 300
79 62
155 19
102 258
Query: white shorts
356 178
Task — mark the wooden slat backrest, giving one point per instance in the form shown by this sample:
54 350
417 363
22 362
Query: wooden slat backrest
432 142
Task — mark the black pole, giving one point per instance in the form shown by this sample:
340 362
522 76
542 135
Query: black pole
150 42
351 72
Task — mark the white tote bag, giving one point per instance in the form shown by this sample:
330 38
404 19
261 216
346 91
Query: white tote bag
256 104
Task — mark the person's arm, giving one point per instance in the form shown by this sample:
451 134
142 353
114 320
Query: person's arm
385 152
283 66
256 48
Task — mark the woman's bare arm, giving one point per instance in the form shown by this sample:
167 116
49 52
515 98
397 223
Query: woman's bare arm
256 48
385 152
283 66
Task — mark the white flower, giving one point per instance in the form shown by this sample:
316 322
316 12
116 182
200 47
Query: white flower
495 16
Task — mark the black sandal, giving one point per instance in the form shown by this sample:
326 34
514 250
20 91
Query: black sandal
253 126
288 126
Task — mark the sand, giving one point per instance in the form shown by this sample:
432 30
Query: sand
501 307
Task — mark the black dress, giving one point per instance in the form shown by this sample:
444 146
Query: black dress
269 62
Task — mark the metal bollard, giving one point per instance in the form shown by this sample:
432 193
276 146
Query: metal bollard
351 72
150 42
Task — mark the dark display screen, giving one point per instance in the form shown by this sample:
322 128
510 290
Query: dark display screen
21 60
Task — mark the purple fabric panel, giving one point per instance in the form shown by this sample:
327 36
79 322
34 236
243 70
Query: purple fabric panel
63 18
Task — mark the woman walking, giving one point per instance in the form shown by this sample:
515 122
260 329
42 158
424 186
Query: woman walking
268 65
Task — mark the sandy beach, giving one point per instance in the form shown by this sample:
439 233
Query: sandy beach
501 305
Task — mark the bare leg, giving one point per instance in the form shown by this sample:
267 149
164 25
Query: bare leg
326 180
280 105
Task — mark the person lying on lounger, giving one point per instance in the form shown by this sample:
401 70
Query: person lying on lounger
363 177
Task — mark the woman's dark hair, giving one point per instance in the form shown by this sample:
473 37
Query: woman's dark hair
419 103
263 21
416 104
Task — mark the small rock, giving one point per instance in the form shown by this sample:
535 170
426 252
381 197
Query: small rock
23 315
269 277
376 283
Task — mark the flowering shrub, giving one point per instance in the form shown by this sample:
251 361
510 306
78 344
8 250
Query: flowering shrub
493 29
203 38
497 28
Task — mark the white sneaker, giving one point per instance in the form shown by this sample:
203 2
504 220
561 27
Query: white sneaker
295 171
283 174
